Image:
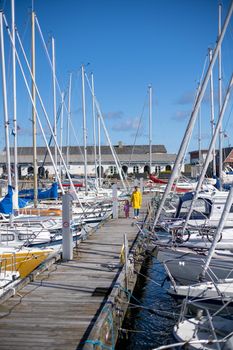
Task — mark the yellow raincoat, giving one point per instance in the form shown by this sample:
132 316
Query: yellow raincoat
136 199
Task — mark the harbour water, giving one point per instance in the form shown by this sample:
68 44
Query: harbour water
152 312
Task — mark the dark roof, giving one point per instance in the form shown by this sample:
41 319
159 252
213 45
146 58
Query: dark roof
120 149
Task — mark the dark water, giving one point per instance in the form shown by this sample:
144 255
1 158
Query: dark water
145 328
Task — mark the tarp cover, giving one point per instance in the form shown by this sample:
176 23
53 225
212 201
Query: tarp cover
51 193
6 204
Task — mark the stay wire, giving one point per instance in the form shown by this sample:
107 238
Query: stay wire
139 124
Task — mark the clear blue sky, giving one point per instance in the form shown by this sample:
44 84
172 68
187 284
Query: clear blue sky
128 45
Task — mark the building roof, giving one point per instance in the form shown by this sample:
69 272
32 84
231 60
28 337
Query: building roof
120 149
127 154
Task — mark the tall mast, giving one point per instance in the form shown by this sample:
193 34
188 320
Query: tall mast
84 129
54 100
199 142
68 124
220 93
94 121
61 130
99 150
33 64
219 230
14 94
212 111
150 126
5 107
189 129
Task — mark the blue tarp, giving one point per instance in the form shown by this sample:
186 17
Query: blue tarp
51 193
6 205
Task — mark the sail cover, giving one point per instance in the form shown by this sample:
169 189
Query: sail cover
8 203
51 193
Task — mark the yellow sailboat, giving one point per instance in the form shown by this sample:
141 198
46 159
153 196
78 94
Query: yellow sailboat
23 261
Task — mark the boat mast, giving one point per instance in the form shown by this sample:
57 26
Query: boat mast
61 130
33 64
54 100
210 152
99 150
220 94
150 126
188 132
5 107
84 129
199 142
94 121
219 230
14 95
68 124
212 111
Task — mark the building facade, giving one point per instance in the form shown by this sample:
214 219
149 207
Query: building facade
133 159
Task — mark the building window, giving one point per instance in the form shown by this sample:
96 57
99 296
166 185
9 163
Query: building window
157 169
135 169
112 170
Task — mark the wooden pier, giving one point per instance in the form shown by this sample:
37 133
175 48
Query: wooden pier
78 304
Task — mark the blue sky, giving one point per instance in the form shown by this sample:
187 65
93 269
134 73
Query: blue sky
127 44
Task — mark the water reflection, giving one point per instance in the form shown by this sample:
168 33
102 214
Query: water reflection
152 313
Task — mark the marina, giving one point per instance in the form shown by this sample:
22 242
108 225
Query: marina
116 212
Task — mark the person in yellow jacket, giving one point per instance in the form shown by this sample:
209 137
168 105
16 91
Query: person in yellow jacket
136 200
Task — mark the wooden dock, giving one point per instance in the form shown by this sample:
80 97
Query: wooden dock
78 304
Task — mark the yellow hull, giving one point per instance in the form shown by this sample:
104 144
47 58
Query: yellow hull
23 261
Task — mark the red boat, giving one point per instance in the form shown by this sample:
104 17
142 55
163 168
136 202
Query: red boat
181 187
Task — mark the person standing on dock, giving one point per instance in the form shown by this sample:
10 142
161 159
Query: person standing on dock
136 200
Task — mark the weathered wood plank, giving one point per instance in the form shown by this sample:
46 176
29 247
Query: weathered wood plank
58 309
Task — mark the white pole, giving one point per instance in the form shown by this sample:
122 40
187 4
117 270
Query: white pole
67 239
14 96
5 107
114 202
68 124
94 122
45 113
107 136
192 120
84 130
209 154
99 151
222 221
199 142
141 185
212 111
33 71
220 94
54 100
150 126
61 129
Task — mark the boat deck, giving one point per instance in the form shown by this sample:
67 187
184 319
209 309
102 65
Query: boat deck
59 308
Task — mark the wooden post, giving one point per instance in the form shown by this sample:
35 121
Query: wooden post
67 238
114 202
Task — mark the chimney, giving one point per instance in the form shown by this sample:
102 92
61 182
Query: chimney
120 144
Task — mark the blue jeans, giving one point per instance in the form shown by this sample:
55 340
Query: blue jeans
136 212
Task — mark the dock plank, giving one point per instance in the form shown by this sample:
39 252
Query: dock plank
57 309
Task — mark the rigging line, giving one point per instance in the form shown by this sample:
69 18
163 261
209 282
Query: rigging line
43 108
139 124
197 91
228 119
51 136
49 59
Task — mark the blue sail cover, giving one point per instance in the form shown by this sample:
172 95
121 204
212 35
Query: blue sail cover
51 193
6 205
